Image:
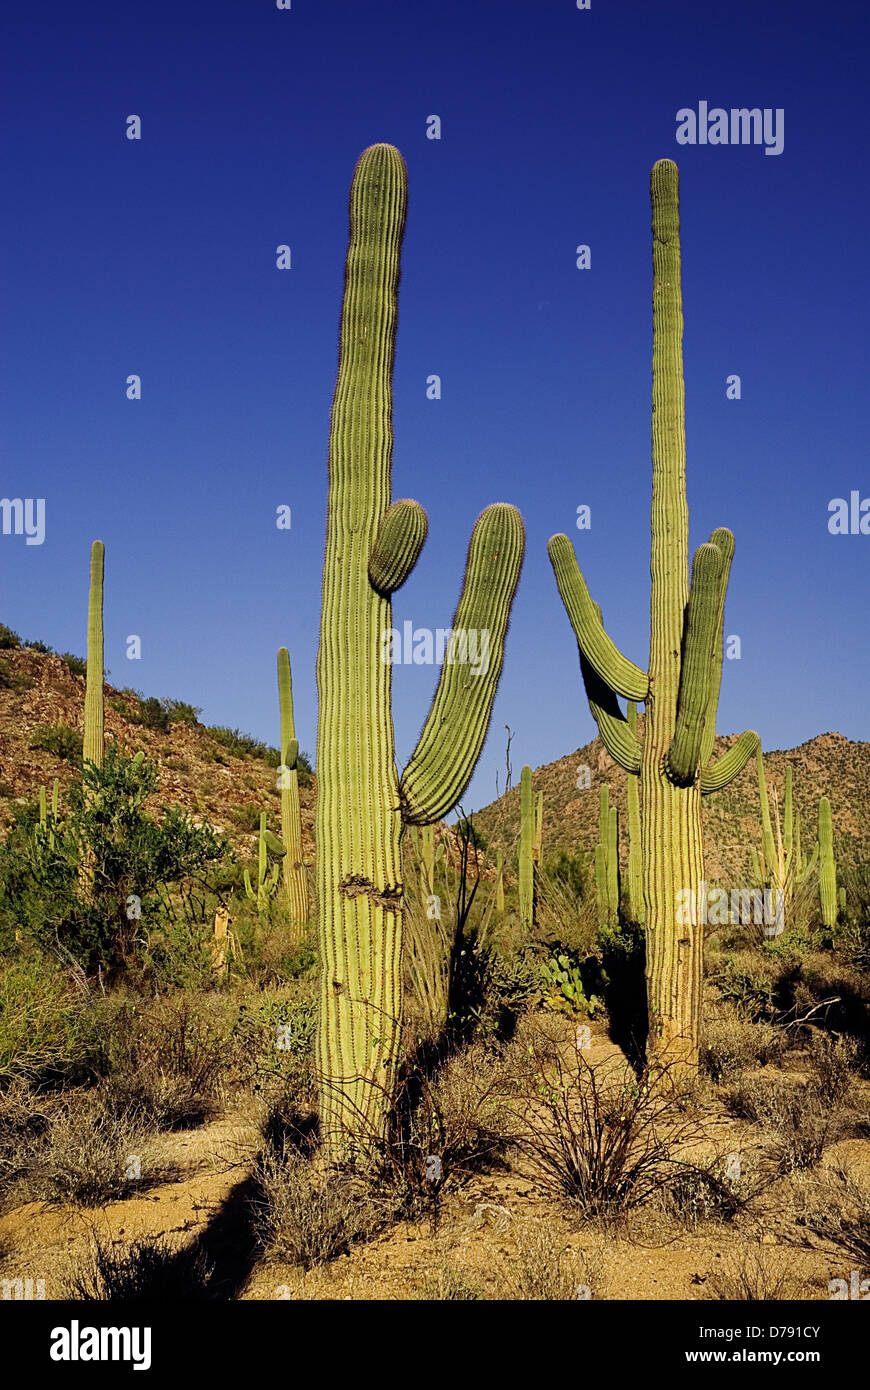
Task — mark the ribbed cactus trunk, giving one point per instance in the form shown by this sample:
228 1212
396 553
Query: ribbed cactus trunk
634 895
526 865
362 805
359 824
673 851
293 871
827 865
93 734
680 687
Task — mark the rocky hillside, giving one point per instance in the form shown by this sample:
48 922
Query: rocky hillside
198 771
829 765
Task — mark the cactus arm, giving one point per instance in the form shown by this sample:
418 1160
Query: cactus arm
766 826
806 873
539 828
683 759
827 865
617 737
614 669
718 775
789 810
723 539
400 537
452 739
92 750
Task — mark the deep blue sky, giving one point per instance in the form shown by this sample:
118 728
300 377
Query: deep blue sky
158 258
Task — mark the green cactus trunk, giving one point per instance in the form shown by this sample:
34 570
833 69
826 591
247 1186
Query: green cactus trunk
362 805
634 893
92 750
526 852
293 873
680 687
827 865
499 883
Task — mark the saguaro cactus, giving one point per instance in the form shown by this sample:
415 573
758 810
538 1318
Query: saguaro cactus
294 880
827 865
362 804
780 864
607 862
526 864
635 835
267 880
681 686
499 882
92 750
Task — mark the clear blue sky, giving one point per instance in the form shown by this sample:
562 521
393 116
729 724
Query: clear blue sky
157 257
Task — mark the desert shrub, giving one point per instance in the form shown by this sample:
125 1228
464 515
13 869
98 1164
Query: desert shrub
476 838
699 1194
754 1274
450 1284
246 817
834 1061
77 664
242 745
798 1116
13 680
309 1217
59 740
44 1022
9 640
180 712
150 713
547 1268
276 1043
598 1138
43 899
152 1270
732 1044
838 1210
37 646
88 1154
23 1120
167 1058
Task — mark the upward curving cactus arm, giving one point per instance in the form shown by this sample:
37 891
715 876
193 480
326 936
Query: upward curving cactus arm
723 539
718 775
450 744
400 537
623 677
683 758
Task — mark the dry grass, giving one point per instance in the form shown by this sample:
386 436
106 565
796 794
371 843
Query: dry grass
754 1273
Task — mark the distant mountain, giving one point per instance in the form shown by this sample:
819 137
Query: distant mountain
829 765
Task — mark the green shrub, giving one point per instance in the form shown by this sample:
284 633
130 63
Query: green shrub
59 740
76 664
43 1020
8 639
10 679
37 646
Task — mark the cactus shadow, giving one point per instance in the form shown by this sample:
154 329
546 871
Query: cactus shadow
623 984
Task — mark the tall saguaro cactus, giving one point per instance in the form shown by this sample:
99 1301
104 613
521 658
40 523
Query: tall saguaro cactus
294 880
634 895
92 750
526 859
607 862
362 803
827 865
680 688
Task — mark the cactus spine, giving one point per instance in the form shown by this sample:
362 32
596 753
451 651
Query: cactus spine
827 865
362 804
527 850
295 883
92 750
681 686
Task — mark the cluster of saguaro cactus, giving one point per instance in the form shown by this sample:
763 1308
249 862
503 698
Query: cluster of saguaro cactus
780 863
268 879
363 805
293 877
531 841
680 688
607 862
828 898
